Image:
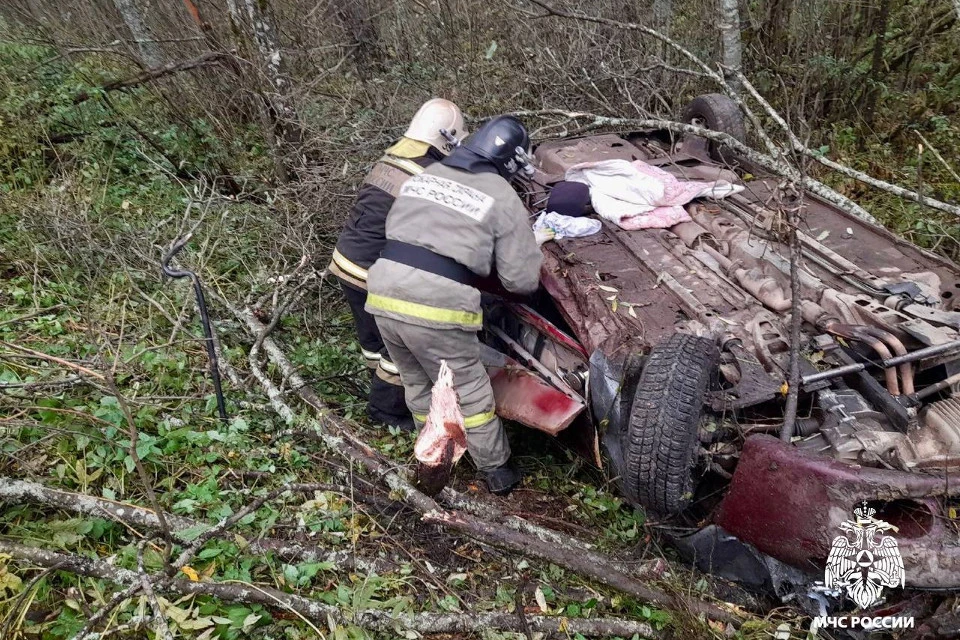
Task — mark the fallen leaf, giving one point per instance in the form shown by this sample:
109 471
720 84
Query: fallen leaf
613 297
823 235
191 573
195 625
631 311
541 599
606 288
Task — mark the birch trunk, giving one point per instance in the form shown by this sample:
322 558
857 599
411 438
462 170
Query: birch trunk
268 43
732 48
254 20
151 53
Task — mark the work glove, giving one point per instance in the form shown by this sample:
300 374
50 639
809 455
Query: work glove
544 234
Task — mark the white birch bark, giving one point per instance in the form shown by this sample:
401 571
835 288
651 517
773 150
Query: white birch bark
263 28
151 54
732 48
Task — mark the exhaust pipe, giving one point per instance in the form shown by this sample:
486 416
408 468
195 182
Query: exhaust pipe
860 333
892 341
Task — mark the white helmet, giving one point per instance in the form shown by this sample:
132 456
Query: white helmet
434 115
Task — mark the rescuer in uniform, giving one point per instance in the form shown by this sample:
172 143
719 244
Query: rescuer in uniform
362 240
455 223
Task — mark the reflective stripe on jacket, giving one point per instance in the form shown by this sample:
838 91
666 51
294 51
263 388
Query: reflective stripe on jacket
476 219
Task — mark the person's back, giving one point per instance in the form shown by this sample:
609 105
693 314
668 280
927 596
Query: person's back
364 233
452 224
476 220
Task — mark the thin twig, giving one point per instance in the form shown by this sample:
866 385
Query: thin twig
162 630
60 361
939 157
32 314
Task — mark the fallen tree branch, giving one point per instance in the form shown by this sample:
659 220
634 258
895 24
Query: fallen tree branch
385 621
86 632
66 363
456 500
24 492
146 585
338 437
936 153
584 563
207 59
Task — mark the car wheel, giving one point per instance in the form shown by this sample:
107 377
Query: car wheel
717 112
661 441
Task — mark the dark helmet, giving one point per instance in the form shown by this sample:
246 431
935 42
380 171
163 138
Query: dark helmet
504 142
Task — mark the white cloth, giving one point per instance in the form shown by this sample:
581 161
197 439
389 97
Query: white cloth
553 225
636 195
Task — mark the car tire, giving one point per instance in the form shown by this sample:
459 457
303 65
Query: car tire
717 112
661 442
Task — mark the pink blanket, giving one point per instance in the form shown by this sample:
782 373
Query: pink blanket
636 195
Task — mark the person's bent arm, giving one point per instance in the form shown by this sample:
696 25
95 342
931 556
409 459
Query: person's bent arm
518 256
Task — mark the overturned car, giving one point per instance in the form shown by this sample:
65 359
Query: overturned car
663 355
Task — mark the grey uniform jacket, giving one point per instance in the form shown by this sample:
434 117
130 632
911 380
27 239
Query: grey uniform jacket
476 219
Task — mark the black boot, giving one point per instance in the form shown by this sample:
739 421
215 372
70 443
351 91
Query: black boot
387 405
503 479
404 423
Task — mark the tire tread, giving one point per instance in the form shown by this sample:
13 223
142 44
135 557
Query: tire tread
661 441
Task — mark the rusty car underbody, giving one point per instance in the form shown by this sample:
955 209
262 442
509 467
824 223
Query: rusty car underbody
879 419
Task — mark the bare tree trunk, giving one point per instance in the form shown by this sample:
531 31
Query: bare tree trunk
150 52
281 125
732 53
